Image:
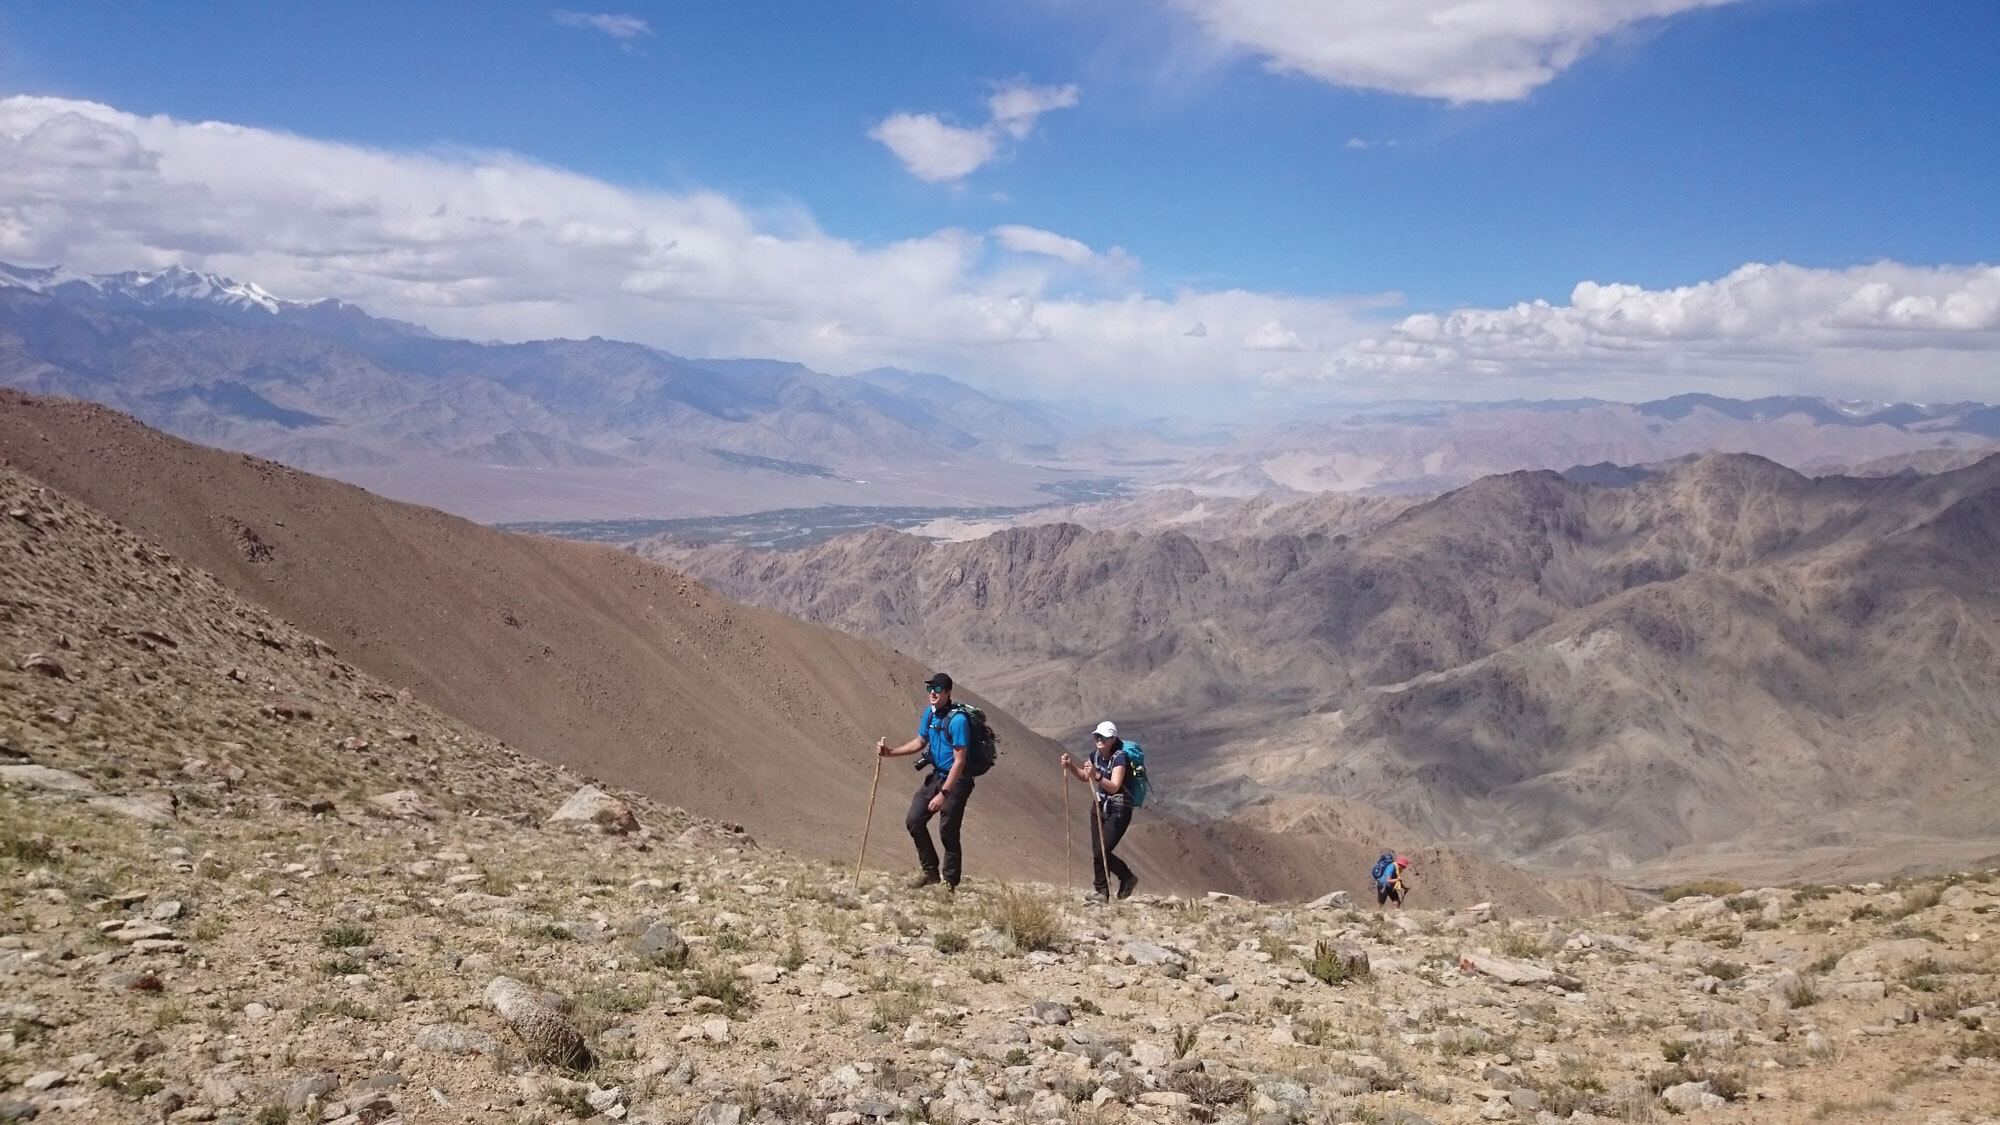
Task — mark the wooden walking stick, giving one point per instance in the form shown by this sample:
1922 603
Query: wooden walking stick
868 821
1069 837
1103 853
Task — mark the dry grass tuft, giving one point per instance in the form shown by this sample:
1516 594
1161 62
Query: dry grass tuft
1027 920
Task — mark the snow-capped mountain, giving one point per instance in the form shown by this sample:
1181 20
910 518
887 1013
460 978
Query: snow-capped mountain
173 286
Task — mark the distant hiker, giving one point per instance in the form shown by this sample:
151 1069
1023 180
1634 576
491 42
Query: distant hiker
1115 771
946 732
1388 873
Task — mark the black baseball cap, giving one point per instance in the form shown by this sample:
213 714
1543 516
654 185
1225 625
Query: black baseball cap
939 680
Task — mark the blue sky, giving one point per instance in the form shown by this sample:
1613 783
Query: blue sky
1204 193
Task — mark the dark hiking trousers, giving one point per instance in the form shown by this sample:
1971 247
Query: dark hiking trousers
950 817
1117 818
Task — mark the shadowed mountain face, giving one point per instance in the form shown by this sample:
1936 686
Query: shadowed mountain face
604 663
1725 656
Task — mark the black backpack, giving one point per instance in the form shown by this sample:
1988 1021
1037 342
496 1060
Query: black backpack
982 745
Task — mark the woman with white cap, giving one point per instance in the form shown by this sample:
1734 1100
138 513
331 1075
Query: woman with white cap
1107 771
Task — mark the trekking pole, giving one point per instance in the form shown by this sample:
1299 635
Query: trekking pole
866 822
1069 838
1103 853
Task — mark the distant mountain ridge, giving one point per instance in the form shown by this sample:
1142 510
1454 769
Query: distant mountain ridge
551 430
1717 658
324 386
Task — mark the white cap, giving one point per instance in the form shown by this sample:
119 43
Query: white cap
1106 729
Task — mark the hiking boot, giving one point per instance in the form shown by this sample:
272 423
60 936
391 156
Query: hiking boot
924 880
1098 895
1126 885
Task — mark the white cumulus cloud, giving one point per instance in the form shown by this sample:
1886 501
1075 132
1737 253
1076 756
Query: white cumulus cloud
932 150
1893 321
1016 106
492 245
1272 336
1032 240
1456 50
616 26
938 152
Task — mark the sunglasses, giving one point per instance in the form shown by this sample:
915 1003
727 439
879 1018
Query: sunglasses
934 690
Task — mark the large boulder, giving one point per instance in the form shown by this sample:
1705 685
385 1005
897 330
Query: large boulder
591 807
1885 958
541 1019
1517 972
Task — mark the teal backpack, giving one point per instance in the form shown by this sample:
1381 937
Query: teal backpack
1135 781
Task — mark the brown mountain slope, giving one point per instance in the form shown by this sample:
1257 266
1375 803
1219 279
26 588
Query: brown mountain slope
596 660
1572 673
582 655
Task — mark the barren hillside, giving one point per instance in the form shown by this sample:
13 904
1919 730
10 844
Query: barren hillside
1722 660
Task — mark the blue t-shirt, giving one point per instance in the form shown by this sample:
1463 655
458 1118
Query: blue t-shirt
945 738
1106 765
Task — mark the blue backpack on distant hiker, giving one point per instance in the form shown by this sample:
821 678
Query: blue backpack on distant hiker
1384 872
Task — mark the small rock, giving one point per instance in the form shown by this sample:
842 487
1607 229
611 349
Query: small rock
836 989
166 911
44 777
43 663
663 941
718 1113
1048 1011
1691 1095
44 1081
14 1109
593 807
454 1039
305 1091
541 1020
403 804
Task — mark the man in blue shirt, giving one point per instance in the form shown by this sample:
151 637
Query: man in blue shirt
943 734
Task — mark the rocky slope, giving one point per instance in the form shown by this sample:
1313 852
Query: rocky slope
242 880
1726 656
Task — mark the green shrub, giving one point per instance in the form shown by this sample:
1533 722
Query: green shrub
1675 1050
721 984
1327 965
30 850
795 955
1715 888
1802 994
1915 901
343 937
950 941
